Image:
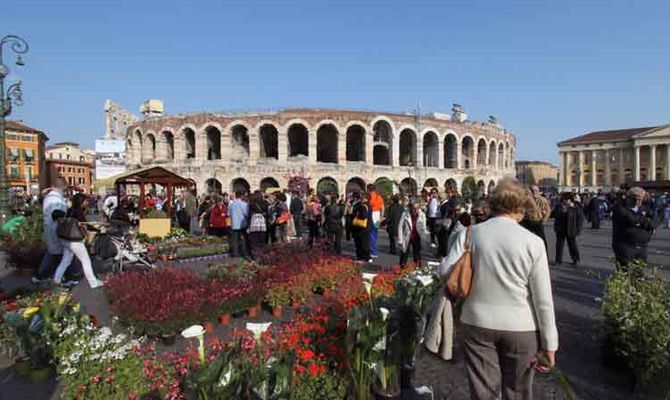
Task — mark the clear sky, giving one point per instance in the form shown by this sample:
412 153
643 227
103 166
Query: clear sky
547 69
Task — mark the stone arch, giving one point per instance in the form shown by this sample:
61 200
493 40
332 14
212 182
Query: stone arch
239 185
481 152
269 141
430 183
492 185
213 135
239 141
382 150
501 155
467 151
149 148
326 143
268 182
450 151
492 154
430 150
298 140
136 146
507 155
408 186
167 139
327 185
407 156
356 143
213 186
188 139
355 184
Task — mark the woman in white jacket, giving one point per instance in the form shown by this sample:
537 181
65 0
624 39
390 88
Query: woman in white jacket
510 309
411 232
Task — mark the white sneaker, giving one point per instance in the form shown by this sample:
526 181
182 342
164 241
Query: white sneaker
433 245
370 261
97 284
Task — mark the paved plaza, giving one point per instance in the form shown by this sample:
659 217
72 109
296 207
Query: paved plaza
577 294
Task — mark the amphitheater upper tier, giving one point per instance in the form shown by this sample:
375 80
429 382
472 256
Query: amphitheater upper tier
334 147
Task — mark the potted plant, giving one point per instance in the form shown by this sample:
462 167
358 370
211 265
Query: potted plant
277 297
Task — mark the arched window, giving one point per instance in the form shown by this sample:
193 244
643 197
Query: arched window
467 152
356 143
239 137
269 141
189 143
430 150
298 141
407 148
326 144
213 143
450 151
382 143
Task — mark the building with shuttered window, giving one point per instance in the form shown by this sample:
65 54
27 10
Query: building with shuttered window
25 164
68 161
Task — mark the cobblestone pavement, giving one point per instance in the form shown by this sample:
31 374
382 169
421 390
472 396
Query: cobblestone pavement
577 292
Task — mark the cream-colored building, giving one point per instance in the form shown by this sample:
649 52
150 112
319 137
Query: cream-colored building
540 173
605 159
335 148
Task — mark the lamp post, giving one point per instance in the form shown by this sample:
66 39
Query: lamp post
12 95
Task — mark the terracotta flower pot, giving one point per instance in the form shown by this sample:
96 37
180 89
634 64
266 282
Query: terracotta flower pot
277 311
209 327
254 311
295 304
224 319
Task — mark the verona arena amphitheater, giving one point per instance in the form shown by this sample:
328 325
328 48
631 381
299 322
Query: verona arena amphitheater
337 148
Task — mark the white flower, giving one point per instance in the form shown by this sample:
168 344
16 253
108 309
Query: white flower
425 280
385 313
368 276
258 329
368 286
193 331
381 345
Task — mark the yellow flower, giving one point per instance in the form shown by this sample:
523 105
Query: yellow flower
64 297
77 307
28 312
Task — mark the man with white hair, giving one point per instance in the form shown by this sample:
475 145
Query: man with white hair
633 227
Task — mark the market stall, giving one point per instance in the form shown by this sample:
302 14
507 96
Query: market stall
154 176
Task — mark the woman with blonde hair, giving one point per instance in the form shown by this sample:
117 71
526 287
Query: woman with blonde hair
509 311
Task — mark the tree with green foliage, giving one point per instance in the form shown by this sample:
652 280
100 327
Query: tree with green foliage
469 188
385 188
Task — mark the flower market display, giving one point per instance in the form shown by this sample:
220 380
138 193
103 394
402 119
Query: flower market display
354 336
179 246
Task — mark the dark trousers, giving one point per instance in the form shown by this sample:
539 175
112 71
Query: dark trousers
572 248
431 229
392 241
297 222
47 267
313 231
238 243
335 239
499 360
414 246
256 241
595 221
362 243
628 253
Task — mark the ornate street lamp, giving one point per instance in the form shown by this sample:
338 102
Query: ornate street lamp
13 95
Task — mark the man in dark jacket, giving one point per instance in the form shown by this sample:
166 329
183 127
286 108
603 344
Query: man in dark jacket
393 214
633 226
594 210
568 221
296 209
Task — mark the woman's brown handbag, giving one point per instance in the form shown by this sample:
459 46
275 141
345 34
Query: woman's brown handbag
459 281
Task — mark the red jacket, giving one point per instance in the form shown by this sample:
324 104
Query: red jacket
217 216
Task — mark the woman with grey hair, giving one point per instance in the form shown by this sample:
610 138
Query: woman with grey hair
510 308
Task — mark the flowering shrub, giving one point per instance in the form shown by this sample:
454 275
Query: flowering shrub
167 300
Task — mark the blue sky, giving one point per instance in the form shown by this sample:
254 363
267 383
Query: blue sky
547 69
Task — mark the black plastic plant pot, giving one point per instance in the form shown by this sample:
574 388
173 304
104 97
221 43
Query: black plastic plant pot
169 340
379 394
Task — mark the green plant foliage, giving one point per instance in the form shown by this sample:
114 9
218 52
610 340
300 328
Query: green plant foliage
469 188
323 386
637 321
384 188
156 214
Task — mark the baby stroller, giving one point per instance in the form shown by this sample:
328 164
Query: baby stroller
118 246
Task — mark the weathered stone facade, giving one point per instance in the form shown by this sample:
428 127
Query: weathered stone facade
257 150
